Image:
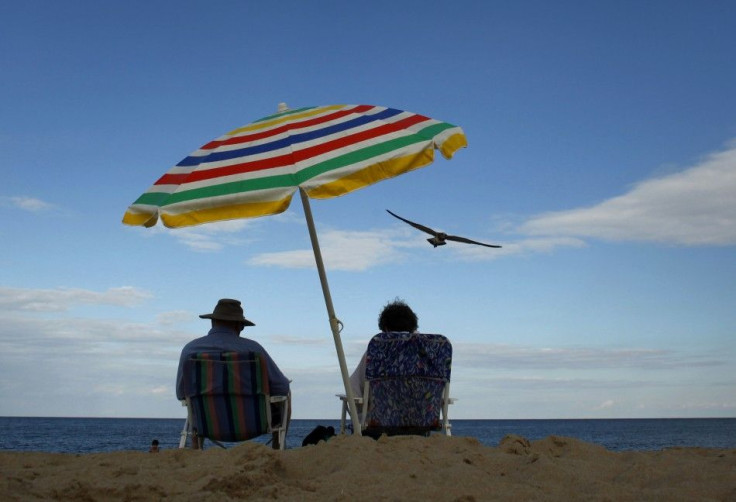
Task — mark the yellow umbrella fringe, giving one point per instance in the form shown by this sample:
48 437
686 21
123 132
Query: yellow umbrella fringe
453 144
372 174
229 212
140 219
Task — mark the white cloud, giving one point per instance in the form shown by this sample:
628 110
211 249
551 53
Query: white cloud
696 206
35 335
300 258
174 317
31 204
139 359
61 299
206 238
484 356
297 340
605 405
342 250
520 247
705 405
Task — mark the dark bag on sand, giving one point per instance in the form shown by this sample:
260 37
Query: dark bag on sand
320 433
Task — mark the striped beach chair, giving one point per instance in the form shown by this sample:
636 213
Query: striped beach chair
228 399
407 387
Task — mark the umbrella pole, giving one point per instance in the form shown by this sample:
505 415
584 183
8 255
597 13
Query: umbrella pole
334 322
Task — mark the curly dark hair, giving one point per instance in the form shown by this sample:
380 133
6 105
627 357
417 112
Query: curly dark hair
398 316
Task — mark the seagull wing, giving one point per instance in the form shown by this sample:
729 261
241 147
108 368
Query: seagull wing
468 241
415 225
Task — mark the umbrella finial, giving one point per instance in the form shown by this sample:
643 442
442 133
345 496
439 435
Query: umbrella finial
282 107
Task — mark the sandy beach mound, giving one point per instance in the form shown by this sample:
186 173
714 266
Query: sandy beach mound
397 468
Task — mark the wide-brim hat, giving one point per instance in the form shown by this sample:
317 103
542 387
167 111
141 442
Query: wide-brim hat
228 310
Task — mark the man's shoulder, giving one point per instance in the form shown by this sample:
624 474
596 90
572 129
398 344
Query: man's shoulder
192 344
241 343
215 342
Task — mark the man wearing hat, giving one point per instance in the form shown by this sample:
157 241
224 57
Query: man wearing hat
227 324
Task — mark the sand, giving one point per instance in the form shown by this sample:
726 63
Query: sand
398 468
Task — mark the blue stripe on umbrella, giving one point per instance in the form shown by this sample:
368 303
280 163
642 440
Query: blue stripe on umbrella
291 140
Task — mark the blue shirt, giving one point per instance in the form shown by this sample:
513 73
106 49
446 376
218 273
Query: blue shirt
219 339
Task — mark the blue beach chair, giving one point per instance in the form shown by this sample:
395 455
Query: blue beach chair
228 399
407 388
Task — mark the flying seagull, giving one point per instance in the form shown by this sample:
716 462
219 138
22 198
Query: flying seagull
439 238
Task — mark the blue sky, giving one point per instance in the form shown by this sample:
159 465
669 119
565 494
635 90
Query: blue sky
602 156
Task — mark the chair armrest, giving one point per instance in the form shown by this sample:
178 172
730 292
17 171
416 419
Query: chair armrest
278 399
357 399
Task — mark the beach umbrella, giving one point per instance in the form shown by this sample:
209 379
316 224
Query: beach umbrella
322 152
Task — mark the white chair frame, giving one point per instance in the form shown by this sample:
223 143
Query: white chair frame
362 402
281 429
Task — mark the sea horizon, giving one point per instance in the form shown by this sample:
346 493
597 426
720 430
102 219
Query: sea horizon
103 434
328 419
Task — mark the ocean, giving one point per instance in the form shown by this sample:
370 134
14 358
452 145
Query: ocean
94 435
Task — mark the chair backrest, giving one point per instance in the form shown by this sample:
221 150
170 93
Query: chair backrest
407 374
228 394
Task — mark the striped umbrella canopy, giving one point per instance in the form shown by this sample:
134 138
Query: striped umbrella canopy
323 152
